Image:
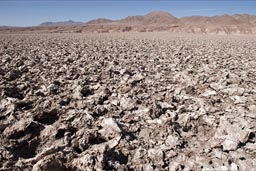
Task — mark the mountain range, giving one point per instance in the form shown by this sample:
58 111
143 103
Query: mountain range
156 21
61 23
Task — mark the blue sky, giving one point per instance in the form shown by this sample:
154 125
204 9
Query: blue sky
33 12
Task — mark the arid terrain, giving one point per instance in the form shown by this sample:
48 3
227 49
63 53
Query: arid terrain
156 21
127 101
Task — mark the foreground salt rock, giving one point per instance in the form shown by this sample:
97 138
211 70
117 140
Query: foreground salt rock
230 136
135 101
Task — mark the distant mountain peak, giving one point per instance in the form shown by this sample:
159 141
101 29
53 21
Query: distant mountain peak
159 13
60 23
152 18
99 21
160 17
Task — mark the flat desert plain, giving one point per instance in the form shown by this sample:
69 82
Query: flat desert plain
127 101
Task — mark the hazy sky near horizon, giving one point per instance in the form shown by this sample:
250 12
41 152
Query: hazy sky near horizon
33 12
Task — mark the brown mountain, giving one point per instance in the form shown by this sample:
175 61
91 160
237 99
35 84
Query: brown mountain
131 20
194 20
152 18
164 18
245 18
163 21
225 19
160 17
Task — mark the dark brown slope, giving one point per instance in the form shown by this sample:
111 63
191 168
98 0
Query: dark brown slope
131 20
224 20
220 20
194 20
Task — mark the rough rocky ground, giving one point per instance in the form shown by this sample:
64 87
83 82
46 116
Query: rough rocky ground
143 101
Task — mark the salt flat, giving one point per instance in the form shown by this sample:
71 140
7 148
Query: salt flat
127 101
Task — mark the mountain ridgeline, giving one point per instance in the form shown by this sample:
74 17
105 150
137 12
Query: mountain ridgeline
156 21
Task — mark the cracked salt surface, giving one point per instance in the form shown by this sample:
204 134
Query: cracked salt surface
135 101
